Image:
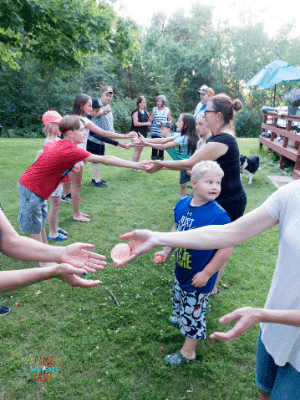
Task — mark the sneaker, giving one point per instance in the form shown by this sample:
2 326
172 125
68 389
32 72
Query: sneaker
100 184
176 359
66 198
4 310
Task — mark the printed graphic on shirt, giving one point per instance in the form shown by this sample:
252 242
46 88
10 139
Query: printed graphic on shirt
183 258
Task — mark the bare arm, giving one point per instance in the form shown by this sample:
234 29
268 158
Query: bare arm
168 144
14 280
218 260
169 116
166 251
208 237
26 249
211 151
117 162
113 135
247 317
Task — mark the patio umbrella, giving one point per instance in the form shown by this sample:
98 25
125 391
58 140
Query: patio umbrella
276 72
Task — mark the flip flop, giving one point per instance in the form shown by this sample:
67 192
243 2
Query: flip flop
62 231
82 220
58 238
176 359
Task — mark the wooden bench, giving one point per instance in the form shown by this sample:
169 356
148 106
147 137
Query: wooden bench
280 144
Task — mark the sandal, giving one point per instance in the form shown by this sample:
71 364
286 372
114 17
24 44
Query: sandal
62 231
58 238
174 321
176 359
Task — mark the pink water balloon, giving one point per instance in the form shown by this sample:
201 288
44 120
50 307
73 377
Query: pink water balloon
120 252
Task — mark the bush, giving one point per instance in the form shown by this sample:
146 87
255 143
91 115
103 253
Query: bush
248 122
122 109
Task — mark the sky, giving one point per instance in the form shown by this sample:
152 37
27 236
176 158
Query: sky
274 13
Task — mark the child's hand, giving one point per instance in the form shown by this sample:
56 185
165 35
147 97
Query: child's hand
125 145
160 257
200 279
76 168
85 162
131 135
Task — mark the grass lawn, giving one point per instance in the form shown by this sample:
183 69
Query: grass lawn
105 352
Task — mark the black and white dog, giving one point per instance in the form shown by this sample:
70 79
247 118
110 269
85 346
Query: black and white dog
249 165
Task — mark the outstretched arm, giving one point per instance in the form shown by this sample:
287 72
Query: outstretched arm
208 237
247 317
118 162
26 249
14 280
113 135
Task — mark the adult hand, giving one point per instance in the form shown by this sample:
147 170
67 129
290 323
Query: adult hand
75 255
131 135
145 165
153 166
246 318
200 279
67 273
125 145
144 241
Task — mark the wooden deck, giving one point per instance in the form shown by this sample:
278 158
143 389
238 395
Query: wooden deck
280 144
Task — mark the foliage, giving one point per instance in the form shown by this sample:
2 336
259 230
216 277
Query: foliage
292 98
248 122
62 33
122 110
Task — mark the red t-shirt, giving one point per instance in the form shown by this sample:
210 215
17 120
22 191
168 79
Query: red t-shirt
47 172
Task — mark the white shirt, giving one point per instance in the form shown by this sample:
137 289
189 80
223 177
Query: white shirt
282 342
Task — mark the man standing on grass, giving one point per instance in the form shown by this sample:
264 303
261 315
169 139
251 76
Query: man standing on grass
205 93
106 122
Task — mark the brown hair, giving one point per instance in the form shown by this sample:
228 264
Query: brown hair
139 100
69 123
222 103
80 100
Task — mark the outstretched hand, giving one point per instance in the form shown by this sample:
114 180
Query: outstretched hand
67 273
142 243
153 166
75 255
246 318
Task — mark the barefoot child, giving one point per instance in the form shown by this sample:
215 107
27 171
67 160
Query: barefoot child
196 270
44 175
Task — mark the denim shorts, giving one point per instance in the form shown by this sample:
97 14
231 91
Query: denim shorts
189 308
184 177
33 211
282 382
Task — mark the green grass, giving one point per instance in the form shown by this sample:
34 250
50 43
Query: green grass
105 352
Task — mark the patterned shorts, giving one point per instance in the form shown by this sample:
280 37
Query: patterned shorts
190 310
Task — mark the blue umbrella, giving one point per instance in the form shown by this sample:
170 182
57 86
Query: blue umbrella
276 72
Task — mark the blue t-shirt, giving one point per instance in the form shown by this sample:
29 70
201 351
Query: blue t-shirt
188 261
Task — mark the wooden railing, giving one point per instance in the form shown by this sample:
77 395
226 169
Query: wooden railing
280 143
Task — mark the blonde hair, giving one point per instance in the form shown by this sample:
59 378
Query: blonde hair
48 128
203 167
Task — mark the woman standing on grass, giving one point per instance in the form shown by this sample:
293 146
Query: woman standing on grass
83 107
222 147
159 114
140 124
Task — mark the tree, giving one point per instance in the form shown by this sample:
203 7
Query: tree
62 33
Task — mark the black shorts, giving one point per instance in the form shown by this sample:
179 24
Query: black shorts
95 148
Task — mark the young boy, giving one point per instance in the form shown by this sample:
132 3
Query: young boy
196 270
44 175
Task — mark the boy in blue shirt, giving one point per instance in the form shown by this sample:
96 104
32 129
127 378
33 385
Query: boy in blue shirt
196 270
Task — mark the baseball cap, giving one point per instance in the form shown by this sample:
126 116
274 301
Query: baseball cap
51 116
167 124
203 89
95 103
107 89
